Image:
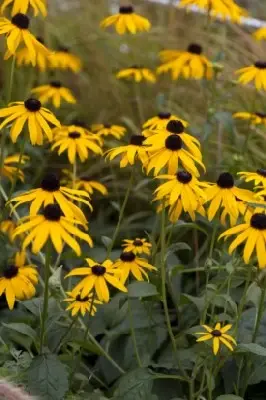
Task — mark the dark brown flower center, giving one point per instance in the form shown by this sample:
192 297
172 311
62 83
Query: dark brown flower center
63 49
225 181
127 256
184 176
261 172
261 115
194 48
33 105
216 333
98 270
137 140
126 10
50 183
74 135
10 271
164 115
138 242
56 84
174 126
260 64
79 298
173 142
21 21
107 126
52 212
258 221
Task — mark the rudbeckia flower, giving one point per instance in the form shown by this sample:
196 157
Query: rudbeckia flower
64 59
18 280
260 33
127 21
253 232
255 73
90 186
225 194
54 92
17 32
30 111
161 120
243 210
23 6
132 152
51 225
81 305
52 192
98 276
137 73
218 335
130 263
76 142
223 9
10 170
259 176
257 118
188 64
137 246
116 131
23 57
8 227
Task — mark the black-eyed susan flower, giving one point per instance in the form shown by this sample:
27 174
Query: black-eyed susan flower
258 176
18 281
127 21
17 32
10 168
55 93
137 246
260 34
161 120
76 143
132 152
23 6
90 186
23 57
30 111
255 73
97 277
130 263
54 226
225 194
65 60
218 335
243 210
8 227
190 64
116 131
253 232
137 73
81 305
52 192
223 9
256 118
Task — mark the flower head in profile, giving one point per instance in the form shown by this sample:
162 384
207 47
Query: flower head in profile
189 64
255 73
10 168
137 74
52 192
31 111
160 121
132 152
23 57
260 34
258 176
218 335
54 226
97 277
23 6
137 246
65 60
225 194
130 263
18 281
8 227
256 118
17 33
104 130
127 21
55 93
82 305
84 183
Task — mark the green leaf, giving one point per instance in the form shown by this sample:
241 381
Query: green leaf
141 289
229 397
48 378
88 346
177 247
106 241
135 385
252 348
198 301
253 294
21 328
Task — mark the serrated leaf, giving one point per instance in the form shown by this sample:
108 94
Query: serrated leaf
48 378
21 328
229 397
141 289
252 348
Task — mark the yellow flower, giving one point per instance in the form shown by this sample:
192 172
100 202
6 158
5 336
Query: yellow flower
11 171
84 183
260 33
64 59
130 263
22 6
255 73
218 335
258 176
132 152
8 227
83 305
98 275
188 64
54 226
76 142
160 122
17 32
253 231
54 92
23 57
30 111
137 246
52 192
175 210
243 209
257 118
18 280
116 131
127 20
137 73
225 194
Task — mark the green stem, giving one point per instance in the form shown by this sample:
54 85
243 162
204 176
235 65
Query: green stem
74 174
133 335
66 334
138 102
44 314
259 315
